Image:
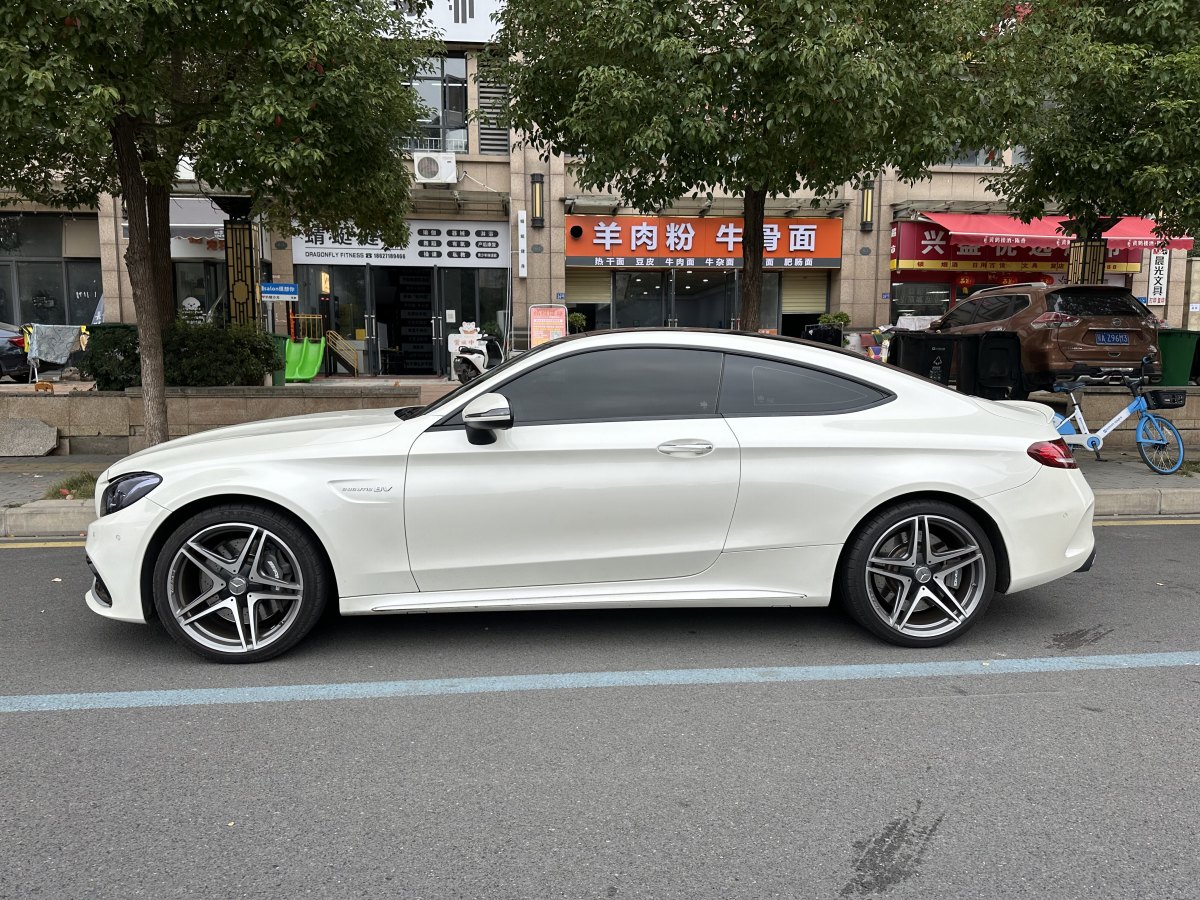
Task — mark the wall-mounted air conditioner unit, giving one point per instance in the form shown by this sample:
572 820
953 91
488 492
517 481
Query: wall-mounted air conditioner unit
435 168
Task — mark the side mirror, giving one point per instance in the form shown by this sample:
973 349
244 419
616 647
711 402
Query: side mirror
484 415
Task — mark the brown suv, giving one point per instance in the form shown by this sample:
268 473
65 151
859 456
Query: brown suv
1065 330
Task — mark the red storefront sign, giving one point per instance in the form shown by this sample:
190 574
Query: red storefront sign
699 242
925 247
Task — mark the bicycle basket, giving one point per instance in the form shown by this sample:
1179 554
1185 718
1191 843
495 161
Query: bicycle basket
1166 399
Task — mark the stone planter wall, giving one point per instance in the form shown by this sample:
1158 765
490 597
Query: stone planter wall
112 423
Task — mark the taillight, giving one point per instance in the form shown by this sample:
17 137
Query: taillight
18 342
1055 320
1055 454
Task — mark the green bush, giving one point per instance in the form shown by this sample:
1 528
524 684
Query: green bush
111 358
194 355
202 355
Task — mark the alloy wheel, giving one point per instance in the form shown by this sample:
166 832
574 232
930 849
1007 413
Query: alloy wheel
925 576
235 587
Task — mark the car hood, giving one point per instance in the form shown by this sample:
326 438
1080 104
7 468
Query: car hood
264 437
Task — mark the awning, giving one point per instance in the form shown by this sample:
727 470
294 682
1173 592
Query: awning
978 229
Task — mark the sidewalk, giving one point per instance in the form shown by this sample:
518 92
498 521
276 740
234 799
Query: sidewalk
1123 484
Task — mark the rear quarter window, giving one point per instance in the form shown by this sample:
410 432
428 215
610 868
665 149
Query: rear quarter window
754 386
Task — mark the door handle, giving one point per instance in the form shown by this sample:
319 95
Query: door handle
685 448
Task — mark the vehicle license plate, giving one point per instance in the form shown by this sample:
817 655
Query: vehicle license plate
1112 337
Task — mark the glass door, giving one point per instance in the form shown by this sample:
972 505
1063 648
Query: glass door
701 298
400 326
640 299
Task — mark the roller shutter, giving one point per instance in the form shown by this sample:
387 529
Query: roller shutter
589 285
804 292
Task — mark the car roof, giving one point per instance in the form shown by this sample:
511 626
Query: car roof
1042 286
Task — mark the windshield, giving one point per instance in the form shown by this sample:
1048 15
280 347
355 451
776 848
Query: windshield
410 412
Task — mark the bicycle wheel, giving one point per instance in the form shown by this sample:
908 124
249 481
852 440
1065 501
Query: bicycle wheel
1159 444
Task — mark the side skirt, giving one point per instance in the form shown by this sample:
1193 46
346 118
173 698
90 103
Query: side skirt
787 576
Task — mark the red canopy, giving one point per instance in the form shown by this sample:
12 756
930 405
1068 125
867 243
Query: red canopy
997 230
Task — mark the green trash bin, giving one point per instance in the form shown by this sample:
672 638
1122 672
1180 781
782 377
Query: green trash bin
1178 349
279 376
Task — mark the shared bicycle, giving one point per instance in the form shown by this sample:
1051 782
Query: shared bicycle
1158 441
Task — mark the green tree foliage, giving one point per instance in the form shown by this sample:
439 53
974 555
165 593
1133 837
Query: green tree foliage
303 105
198 355
656 99
1118 133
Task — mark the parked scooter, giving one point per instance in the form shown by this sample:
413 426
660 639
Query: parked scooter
472 360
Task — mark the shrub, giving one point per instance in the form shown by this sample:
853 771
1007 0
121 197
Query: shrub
203 355
194 355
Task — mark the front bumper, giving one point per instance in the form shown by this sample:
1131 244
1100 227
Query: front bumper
116 547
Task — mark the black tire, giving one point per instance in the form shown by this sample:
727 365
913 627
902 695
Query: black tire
1159 444
948 589
277 585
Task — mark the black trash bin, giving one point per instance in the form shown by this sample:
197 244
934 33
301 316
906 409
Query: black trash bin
998 365
937 357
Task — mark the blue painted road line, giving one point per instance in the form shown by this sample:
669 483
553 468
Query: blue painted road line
374 690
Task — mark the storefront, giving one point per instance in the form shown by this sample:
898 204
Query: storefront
396 305
943 257
49 269
639 271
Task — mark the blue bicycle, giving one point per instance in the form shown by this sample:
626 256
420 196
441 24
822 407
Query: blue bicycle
1158 441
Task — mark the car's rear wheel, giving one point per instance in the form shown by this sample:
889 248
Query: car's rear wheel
918 574
239 583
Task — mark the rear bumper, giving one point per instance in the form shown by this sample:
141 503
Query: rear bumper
1087 565
1046 525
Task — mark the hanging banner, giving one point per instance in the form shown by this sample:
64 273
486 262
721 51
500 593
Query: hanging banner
1160 266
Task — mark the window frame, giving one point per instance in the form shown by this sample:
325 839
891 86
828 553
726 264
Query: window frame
416 142
453 420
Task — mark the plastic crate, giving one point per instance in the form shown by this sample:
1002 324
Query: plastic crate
1165 399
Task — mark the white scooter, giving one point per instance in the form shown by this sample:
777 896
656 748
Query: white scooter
472 360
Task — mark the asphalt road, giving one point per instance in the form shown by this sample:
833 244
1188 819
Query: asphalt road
1043 785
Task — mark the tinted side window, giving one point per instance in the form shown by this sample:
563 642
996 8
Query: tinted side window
960 315
765 387
630 383
994 308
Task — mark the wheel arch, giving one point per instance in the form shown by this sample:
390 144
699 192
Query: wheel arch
986 522
159 539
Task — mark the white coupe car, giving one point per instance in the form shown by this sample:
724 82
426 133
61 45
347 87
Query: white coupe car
639 468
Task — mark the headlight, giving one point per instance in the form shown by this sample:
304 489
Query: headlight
126 490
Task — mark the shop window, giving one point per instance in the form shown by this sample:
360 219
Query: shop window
920 299
31 236
441 85
607 385
40 293
84 290
757 387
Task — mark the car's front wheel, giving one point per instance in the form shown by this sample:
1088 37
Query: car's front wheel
918 574
239 583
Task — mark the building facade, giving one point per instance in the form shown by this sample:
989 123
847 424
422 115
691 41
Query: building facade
496 229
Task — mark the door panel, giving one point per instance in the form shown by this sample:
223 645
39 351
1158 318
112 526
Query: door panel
570 503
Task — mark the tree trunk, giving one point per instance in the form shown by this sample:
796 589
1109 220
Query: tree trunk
754 201
158 202
141 277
